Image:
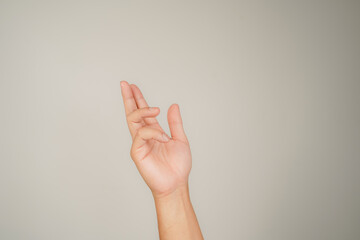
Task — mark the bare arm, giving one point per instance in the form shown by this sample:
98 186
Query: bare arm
164 163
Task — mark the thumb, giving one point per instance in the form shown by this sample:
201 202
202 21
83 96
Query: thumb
175 123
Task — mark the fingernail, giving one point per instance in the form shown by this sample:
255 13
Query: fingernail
165 137
122 83
153 108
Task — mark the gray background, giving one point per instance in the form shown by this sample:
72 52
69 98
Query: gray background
269 93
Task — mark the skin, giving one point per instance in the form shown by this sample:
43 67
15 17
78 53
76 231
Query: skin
164 163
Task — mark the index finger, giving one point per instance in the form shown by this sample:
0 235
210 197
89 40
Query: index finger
128 98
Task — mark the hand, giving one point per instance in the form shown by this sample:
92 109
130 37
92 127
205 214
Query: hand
163 162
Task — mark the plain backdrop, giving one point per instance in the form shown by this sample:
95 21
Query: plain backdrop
269 92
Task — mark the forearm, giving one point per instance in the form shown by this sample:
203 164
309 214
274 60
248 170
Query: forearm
176 216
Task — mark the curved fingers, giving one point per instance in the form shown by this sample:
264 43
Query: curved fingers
141 103
143 135
136 118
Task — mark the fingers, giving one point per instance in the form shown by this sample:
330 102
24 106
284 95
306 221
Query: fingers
147 133
135 118
138 115
141 103
175 123
128 98
139 98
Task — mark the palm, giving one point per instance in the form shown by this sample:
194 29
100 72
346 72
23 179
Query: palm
164 165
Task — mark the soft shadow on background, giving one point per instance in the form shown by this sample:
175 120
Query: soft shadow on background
269 93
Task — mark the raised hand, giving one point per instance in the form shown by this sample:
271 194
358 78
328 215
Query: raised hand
163 162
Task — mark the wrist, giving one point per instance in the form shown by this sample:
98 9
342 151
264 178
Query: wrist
180 193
